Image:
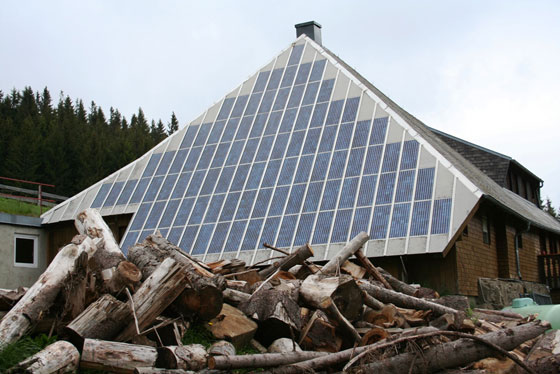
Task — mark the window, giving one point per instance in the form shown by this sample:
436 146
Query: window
466 231
25 250
485 230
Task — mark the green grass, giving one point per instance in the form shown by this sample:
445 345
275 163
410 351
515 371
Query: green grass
23 348
21 208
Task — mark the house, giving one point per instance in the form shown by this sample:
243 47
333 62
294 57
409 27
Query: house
308 150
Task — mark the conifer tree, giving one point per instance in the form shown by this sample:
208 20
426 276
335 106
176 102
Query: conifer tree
173 125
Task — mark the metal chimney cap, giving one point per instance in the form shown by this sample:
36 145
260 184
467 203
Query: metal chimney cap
312 29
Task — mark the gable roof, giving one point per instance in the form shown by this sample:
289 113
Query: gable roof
305 150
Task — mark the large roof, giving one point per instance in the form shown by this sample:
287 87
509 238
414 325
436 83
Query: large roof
305 150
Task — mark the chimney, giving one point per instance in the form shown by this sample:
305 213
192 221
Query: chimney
312 29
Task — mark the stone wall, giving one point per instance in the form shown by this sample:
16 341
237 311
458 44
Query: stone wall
498 293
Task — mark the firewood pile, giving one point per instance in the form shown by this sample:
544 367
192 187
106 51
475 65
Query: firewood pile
128 315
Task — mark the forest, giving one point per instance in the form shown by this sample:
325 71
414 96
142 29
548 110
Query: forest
67 145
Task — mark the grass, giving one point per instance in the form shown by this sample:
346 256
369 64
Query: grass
23 348
21 208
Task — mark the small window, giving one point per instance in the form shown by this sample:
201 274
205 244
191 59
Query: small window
485 230
25 250
466 231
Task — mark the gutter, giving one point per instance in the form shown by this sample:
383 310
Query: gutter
516 239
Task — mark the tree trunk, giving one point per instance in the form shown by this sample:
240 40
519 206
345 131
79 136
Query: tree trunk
344 254
235 297
74 290
320 291
8 298
276 310
319 334
101 320
260 360
40 297
116 357
296 258
457 353
156 293
232 325
203 294
371 269
397 284
222 348
404 301
59 357
187 357
148 370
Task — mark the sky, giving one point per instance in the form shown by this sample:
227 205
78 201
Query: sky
484 71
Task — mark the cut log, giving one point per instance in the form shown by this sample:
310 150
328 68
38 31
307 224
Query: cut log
344 254
235 297
343 324
203 293
222 348
116 357
387 317
403 300
284 345
155 295
148 370
39 298
186 357
372 302
9 298
276 310
371 269
319 334
260 360
101 320
320 291
296 258
167 331
59 357
459 352
374 335
354 270
250 276
74 291
397 284
238 285
232 325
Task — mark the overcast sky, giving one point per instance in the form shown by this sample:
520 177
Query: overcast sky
485 71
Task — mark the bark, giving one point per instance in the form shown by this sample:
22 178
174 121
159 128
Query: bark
319 334
344 254
372 302
203 293
296 258
499 313
74 290
8 298
546 365
222 348
187 357
276 310
459 352
116 357
403 300
40 297
371 269
345 326
238 285
59 357
155 295
232 325
260 360
354 270
149 370
101 320
320 291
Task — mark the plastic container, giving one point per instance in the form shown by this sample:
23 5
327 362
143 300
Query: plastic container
526 306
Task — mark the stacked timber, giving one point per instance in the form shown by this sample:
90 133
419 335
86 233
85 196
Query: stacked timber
129 314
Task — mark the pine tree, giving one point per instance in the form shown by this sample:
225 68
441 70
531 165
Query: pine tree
173 125
549 208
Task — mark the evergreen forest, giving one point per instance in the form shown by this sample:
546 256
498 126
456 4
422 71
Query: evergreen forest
67 144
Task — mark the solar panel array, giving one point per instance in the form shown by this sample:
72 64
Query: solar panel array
285 162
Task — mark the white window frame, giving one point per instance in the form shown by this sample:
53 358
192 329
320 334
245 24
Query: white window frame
35 239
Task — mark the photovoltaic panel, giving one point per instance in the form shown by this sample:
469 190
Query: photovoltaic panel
350 109
175 234
303 117
231 128
225 179
235 236
280 146
140 216
163 166
169 213
335 111
420 218
405 186
271 173
192 159
253 104
155 215
317 72
348 194
424 184
219 237
245 204
258 125
257 171
373 159
203 239
239 106
337 164
214 208
313 196
264 148
286 232
361 221
360 138
287 122
321 166
330 195
399 222
127 191
441 216
391 158
230 205
289 76
319 114
139 191
344 136
295 97
296 142
240 177
261 205
267 101
261 81
287 172
244 127
409 154
295 56
181 185
386 188
311 141
275 77
152 164
328 138
367 190
322 227
378 131
196 182
310 93
188 139
303 73
278 201
341 226
252 234
325 91
225 110
202 134
167 187
304 169
269 231
249 151
281 98
303 231
177 164
296 199
355 162
115 191
188 238
199 210
183 212
380 221
206 157
235 152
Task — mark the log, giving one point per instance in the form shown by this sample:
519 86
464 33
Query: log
260 360
74 290
459 352
276 310
222 348
101 320
374 335
319 291
148 370
235 297
397 284
155 295
403 300
116 357
232 325
546 365
167 331
499 313
371 269
319 334
372 302
284 345
388 316
8 298
296 258
186 357
452 351
250 276
40 297
344 325
238 285
354 270
203 293
59 357
344 254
